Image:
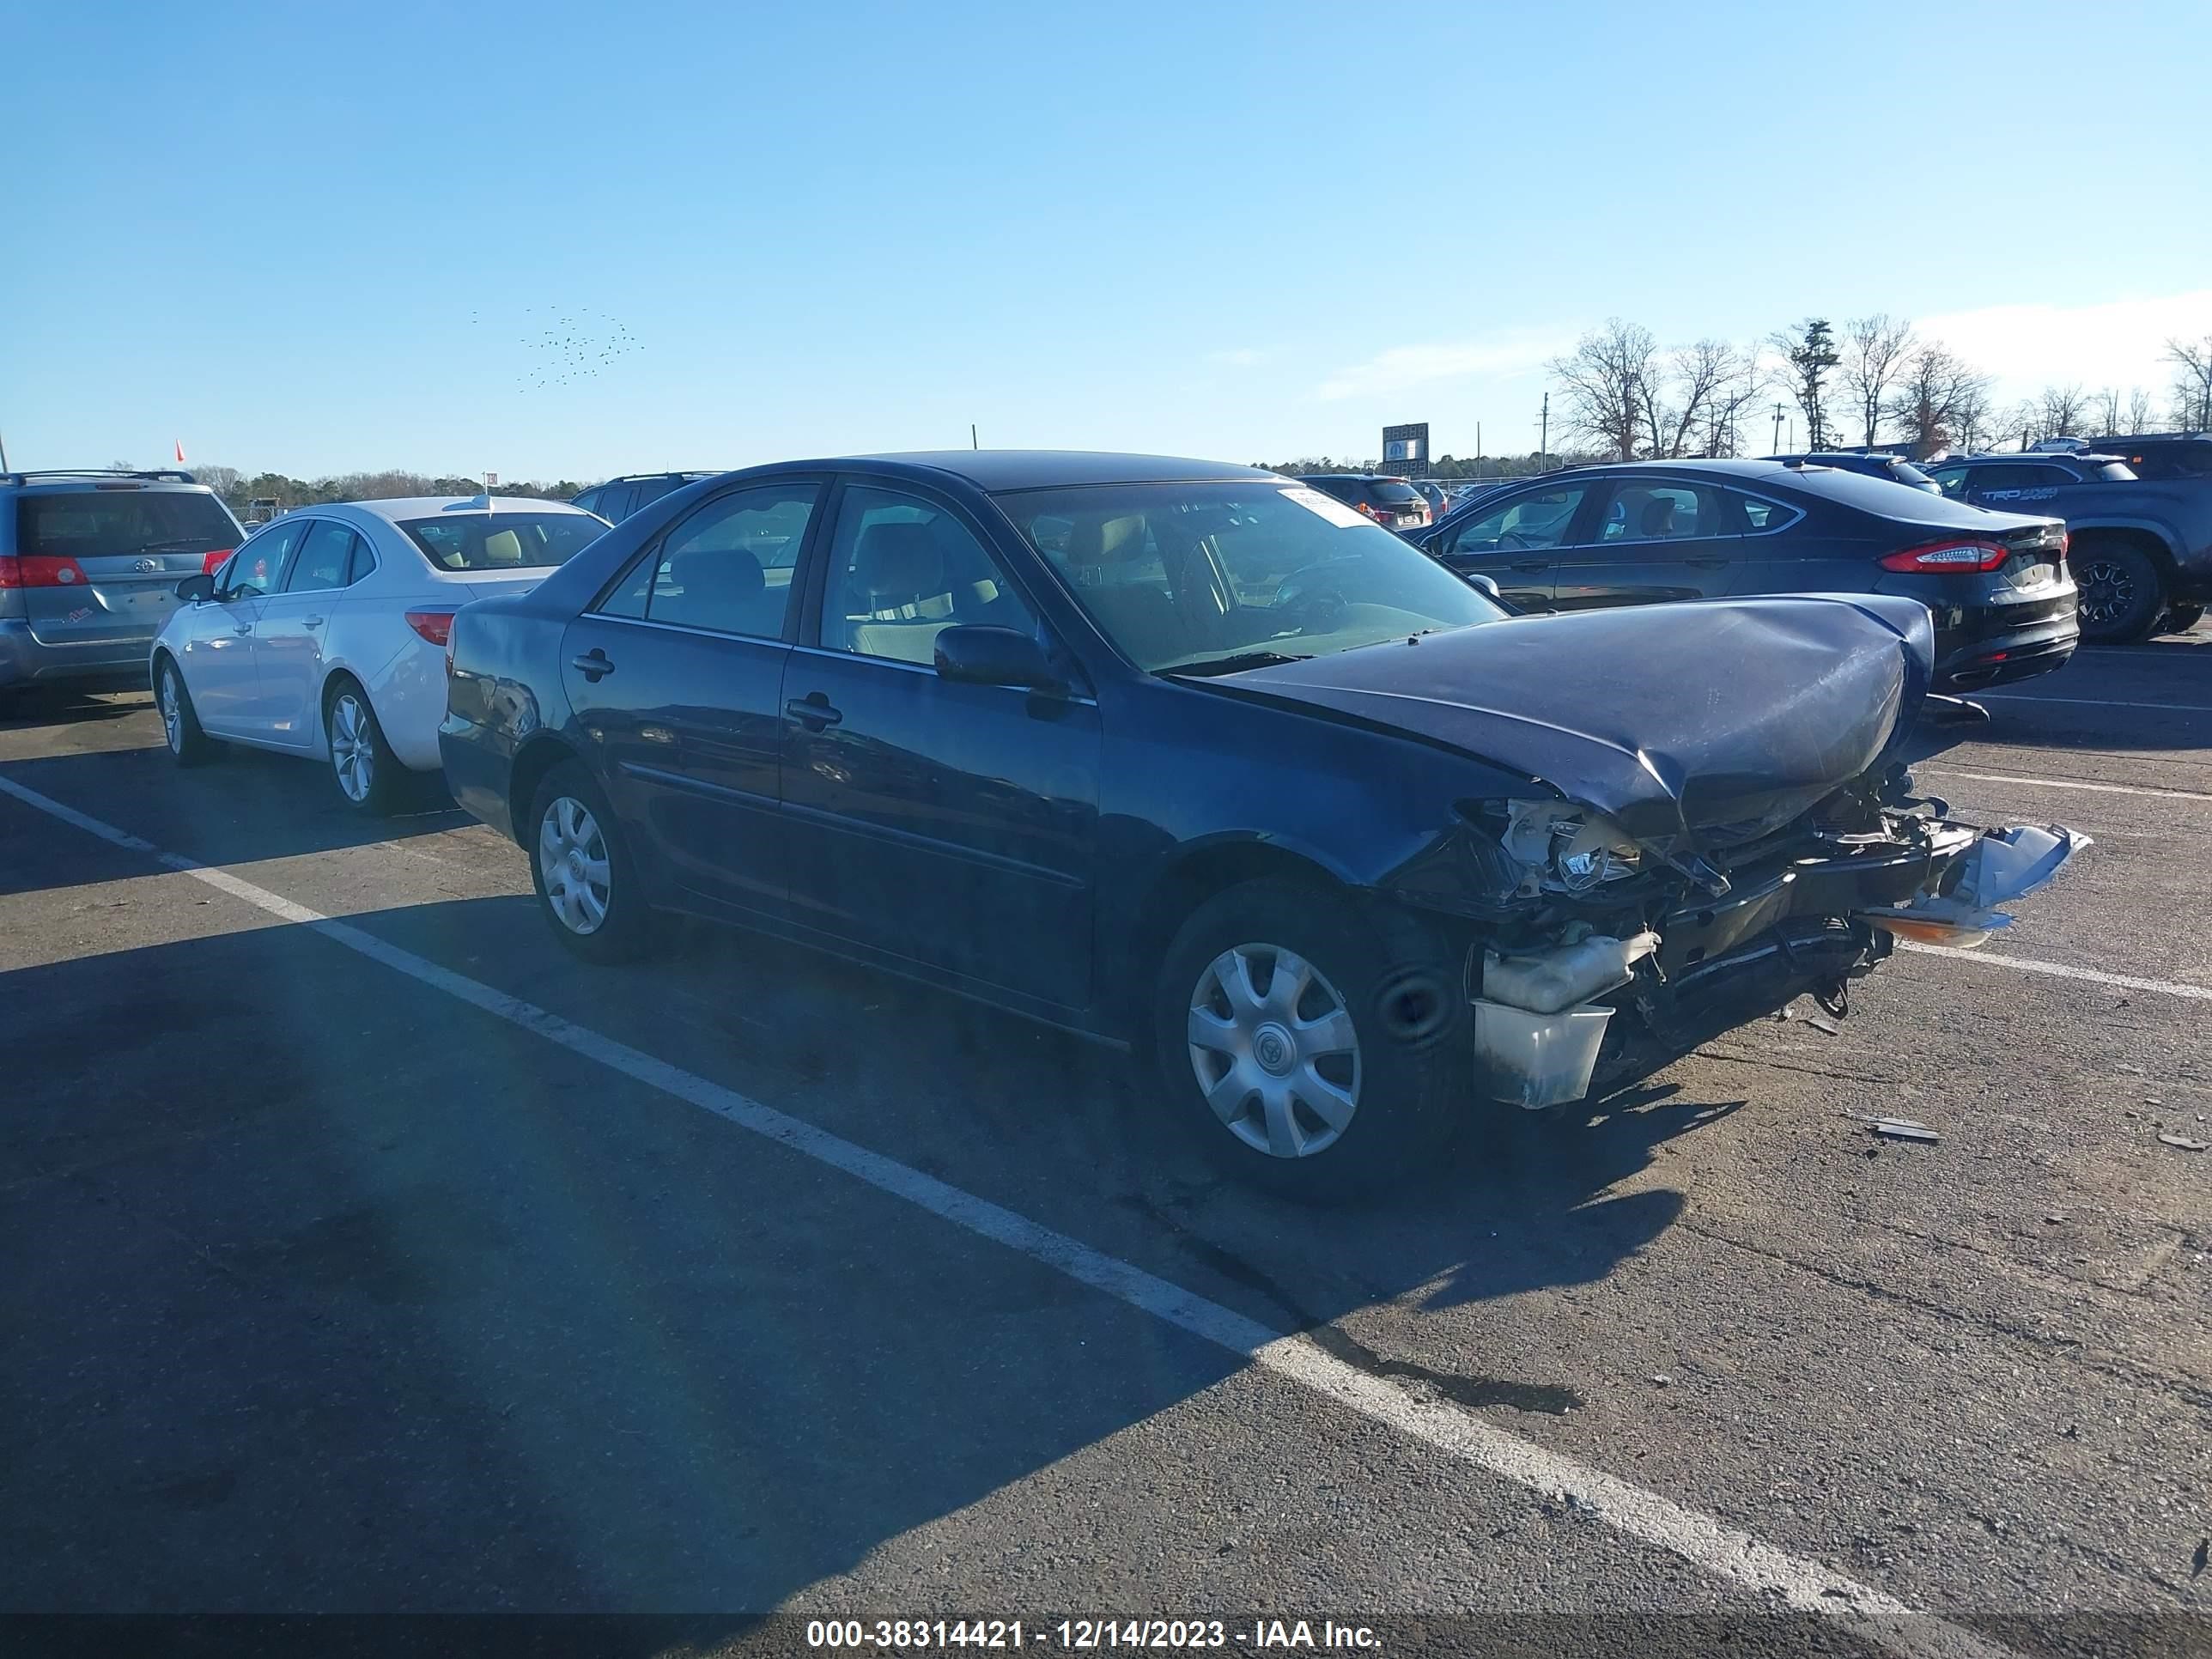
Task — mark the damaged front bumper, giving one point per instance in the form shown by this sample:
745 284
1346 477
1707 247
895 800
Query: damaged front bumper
1810 919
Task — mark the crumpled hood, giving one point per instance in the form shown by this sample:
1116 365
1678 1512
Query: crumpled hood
1703 724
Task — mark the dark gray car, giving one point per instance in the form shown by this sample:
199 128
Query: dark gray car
89 564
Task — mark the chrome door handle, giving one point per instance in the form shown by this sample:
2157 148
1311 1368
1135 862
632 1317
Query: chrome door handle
311 622
243 632
813 712
592 664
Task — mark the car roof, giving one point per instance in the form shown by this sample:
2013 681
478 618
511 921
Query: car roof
429 507
996 470
2038 455
73 478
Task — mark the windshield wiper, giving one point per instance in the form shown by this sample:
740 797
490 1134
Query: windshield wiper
192 544
1237 664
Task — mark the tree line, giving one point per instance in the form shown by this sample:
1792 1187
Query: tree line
238 490
1874 382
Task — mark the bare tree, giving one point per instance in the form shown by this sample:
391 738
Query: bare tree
2192 382
1933 397
1741 378
2061 411
1811 355
2105 405
1875 352
1608 379
2139 411
1972 417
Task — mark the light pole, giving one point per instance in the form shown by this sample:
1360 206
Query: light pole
1777 429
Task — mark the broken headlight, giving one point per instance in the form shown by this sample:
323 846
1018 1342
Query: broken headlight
1568 848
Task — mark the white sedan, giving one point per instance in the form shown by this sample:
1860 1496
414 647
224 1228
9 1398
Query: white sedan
325 634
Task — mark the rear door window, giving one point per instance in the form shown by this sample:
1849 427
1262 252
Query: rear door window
728 568
1642 511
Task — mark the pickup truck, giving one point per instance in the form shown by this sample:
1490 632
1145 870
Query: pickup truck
2140 550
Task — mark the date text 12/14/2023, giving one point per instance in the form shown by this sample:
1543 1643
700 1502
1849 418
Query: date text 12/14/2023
1083 1635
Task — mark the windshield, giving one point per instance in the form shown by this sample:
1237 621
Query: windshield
99 524
1182 575
502 540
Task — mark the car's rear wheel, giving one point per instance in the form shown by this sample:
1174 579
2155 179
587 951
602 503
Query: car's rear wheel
188 744
1314 1046
366 771
586 884
2122 592
2180 618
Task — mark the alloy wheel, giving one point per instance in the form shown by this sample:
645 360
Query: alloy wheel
572 861
353 752
173 713
1275 1050
2108 589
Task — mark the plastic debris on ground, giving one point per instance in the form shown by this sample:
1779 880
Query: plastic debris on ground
2185 1142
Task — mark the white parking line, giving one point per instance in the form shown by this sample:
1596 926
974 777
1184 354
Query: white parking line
2068 783
1722 1550
2091 702
2060 970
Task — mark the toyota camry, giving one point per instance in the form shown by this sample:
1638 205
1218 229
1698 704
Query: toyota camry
1198 759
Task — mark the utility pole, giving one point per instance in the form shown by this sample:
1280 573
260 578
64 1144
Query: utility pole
972 442
1777 429
1544 435
1478 449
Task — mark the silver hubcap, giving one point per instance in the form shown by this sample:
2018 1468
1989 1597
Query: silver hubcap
352 754
173 715
572 858
1273 1050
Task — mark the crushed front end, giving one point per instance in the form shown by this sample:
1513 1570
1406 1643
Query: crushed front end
1596 956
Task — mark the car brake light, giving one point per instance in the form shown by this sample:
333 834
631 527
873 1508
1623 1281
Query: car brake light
213 560
435 626
1940 558
29 570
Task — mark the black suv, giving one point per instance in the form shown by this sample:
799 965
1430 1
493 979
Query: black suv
2142 548
1391 502
2160 455
1895 468
617 498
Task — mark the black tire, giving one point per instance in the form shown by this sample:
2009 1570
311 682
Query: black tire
1410 1076
2180 618
627 927
180 725
367 776
2122 592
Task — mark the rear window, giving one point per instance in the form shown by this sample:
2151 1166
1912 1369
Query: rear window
99 524
1389 492
501 541
1905 473
2113 472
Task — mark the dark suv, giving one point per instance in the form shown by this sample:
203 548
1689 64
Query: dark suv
89 564
617 498
2141 549
1895 468
1391 502
2158 457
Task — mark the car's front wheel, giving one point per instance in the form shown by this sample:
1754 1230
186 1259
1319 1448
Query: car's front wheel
587 885
1315 1046
2122 592
180 727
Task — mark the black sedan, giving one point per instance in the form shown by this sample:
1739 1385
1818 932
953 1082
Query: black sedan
1639 531
1198 759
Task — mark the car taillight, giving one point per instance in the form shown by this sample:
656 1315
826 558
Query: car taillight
1374 512
435 626
29 570
212 560
1942 558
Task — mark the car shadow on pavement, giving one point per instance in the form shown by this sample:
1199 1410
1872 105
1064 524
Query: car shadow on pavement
245 807
321 1287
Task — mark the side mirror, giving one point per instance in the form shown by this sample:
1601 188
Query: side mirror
975 654
1487 584
195 588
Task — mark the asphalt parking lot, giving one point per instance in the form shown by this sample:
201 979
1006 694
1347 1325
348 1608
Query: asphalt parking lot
360 1250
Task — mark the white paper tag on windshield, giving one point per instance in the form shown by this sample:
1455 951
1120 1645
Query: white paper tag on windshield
1328 507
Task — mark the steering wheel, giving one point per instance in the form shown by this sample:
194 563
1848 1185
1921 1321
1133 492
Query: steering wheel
1320 610
1518 539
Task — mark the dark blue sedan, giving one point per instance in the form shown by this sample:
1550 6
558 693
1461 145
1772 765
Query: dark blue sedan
1200 760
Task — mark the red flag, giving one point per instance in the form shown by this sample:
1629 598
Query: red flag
180 451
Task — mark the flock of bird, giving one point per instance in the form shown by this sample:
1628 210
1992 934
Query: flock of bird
577 345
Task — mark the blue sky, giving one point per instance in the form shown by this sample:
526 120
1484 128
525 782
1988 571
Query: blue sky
316 239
